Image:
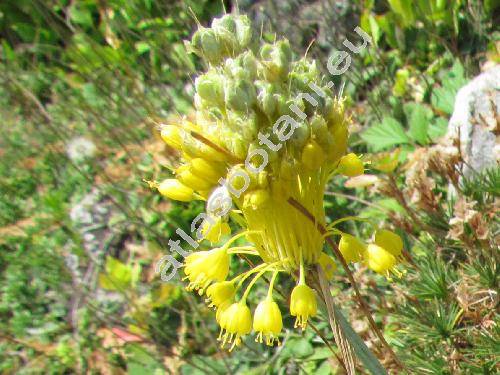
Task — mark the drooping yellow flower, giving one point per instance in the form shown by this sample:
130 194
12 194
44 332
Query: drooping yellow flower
205 267
303 305
267 322
351 248
220 292
379 259
389 240
235 321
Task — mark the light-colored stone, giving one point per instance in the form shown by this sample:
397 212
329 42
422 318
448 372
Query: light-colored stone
475 121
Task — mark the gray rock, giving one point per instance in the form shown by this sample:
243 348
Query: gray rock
475 121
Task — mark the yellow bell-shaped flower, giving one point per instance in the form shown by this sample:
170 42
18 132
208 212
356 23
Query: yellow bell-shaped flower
351 165
303 305
235 321
204 267
351 248
390 241
267 321
379 259
219 293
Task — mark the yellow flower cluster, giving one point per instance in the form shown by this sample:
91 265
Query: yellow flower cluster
268 129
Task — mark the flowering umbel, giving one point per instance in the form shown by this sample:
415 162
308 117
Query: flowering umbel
268 131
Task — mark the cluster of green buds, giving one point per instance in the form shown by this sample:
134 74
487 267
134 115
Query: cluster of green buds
268 130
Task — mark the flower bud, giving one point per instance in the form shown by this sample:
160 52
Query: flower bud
210 88
351 165
172 135
243 31
174 189
319 128
204 169
239 95
205 44
190 179
266 99
339 147
313 155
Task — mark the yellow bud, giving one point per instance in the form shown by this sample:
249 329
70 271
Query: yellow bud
313 155
172 135
339 147
378 259
190 179
390 241
351 165
204 169
351 248
174 189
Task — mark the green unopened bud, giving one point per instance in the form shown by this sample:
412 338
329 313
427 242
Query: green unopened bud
266 98
210 87
239 95
276 60
243 31
238 146
226 22
319 128
206 45
313 155
339 147
351 165
249 64
174 189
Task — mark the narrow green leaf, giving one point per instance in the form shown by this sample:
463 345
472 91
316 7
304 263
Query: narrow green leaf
362 352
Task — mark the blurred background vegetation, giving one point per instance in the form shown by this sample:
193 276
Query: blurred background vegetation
83 86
